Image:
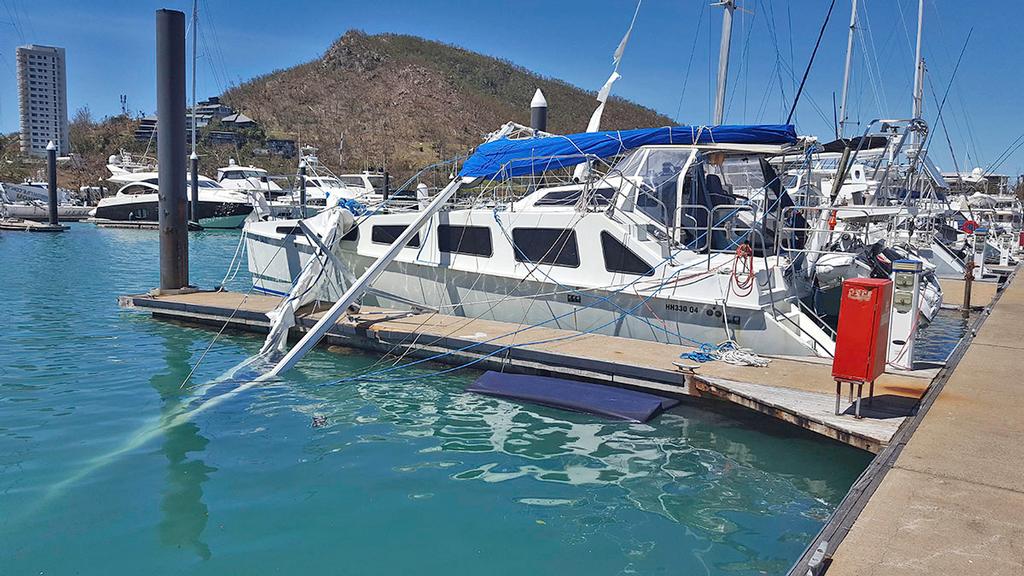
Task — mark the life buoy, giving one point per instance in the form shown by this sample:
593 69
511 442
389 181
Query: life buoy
969 226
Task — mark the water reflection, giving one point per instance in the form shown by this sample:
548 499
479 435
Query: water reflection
708 471
936 341
184 514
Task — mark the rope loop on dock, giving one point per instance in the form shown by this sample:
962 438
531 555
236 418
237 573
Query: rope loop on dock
729 352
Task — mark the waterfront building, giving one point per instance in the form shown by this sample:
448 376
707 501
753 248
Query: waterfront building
43 96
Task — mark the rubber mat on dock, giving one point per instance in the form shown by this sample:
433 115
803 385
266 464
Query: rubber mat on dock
572 395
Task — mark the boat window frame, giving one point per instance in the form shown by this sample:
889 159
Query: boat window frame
445 237
137 188
414 242
522 256
605 236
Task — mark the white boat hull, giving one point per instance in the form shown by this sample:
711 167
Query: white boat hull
275 262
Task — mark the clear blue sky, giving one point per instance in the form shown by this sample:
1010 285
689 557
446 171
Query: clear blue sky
110 51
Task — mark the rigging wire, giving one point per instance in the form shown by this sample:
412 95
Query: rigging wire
791 74
949 85
1006 154
945 131
777 69
744 67
689 61
871 65
807 71
15 21
971 143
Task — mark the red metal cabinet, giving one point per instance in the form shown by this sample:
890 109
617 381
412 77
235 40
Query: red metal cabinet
863 334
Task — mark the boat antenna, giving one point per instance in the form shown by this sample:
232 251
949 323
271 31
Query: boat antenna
807 70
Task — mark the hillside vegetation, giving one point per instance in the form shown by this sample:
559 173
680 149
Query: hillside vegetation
404 102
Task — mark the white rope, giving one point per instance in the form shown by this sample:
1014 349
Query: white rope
233 268
731 353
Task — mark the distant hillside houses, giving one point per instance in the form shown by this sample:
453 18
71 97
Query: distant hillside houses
218 123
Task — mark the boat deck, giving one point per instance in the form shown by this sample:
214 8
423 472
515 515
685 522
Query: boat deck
796 390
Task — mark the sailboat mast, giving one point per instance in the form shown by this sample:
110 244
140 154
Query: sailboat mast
723 59
195 36
918 68
846 72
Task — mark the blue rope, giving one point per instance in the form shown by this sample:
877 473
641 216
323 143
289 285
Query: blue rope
706 353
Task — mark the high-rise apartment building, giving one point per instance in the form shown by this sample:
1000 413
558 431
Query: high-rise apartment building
43 94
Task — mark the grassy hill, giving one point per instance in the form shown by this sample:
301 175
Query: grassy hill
407 102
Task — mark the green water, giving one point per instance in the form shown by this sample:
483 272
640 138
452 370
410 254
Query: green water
407 478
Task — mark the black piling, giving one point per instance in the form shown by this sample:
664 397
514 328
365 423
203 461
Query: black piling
51 181
194 204
539 112
170 105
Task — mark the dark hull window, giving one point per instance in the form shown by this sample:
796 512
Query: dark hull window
546 246
618 258
388 234
472 240
352 235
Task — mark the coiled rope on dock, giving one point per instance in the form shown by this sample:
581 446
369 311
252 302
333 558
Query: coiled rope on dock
729 352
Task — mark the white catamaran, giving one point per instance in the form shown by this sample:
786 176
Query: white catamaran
656 248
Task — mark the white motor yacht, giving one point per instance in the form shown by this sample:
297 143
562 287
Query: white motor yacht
31 201
246 178
138 200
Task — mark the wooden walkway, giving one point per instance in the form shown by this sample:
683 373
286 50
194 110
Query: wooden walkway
20 225
798 391
982 292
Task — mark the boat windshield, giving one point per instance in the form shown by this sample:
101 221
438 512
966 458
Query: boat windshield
628 165
659 171
741 176
324 183
377 182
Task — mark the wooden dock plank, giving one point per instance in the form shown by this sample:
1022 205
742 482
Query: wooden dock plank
816 411
795 390
982 292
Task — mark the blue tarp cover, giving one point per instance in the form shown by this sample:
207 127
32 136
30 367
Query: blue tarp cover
572 395
505 158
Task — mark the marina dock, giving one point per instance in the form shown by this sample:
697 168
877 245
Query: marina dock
949 499
799 391
982 292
